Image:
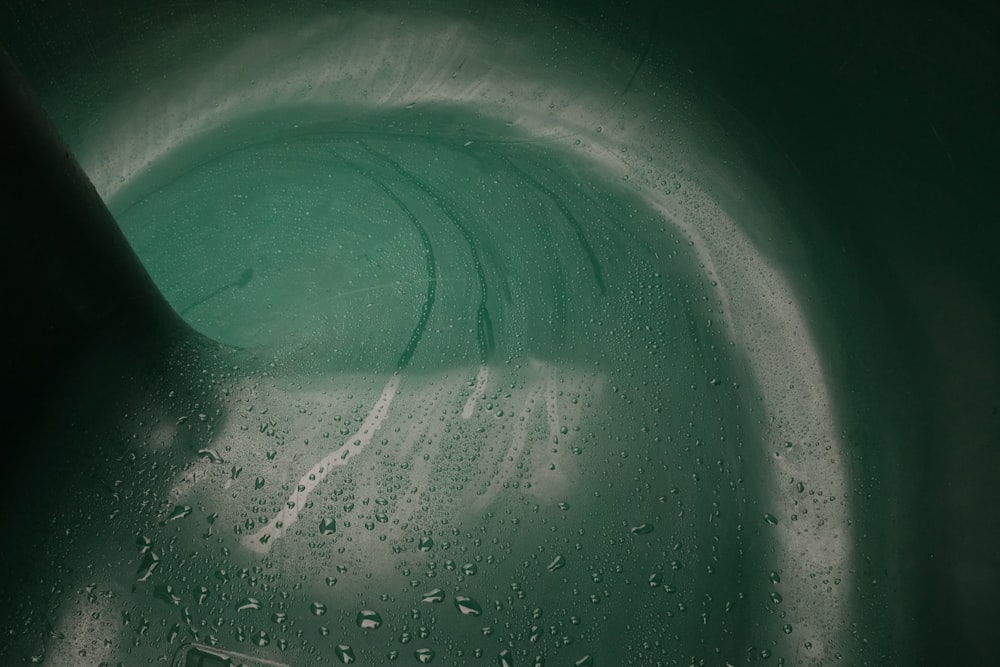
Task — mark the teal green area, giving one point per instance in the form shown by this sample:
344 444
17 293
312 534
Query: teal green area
500 376
421 239
514 341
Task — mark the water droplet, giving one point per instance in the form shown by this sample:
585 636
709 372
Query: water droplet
179 512
505 658
258 483
557 563
201 594
771 519
563 506
585 661
655 579
150 561
248 604
467 606
211 455
368 619
423 655
470 569
317 608
327 526
261 638
642 529
776 598
787 628
774 577
167 594
425 544
344 653
433 595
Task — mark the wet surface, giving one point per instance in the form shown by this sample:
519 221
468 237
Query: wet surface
515 359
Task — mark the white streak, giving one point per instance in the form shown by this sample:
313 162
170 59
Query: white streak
263 539
481 378
510 458
552 405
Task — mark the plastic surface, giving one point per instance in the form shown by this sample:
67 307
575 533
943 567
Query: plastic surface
526 335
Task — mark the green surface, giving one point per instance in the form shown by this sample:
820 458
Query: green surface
526 344
498 331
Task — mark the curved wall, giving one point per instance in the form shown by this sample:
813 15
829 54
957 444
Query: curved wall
608 329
